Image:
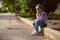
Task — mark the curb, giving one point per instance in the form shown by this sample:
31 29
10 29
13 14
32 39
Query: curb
53 34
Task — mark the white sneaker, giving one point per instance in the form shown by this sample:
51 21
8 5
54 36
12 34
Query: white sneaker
34 32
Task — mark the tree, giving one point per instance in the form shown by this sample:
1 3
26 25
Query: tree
26 6
13 5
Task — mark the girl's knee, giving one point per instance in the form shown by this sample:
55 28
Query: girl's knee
33 23
37 21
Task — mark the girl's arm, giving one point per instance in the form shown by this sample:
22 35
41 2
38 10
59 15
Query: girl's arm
34 17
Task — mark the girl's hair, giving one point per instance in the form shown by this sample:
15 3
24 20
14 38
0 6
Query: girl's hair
40 6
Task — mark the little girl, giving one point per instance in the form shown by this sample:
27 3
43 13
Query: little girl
41 20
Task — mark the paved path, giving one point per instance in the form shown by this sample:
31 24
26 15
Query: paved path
13 29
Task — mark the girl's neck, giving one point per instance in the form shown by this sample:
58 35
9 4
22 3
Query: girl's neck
39 12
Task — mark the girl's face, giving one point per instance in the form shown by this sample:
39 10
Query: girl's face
38 9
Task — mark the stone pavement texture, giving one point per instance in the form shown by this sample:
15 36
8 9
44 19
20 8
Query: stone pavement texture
13 29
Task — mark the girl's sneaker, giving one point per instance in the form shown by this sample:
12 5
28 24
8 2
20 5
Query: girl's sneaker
34 32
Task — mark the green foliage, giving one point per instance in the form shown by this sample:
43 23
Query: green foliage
27 7
57 13
28 14
54 14
11 4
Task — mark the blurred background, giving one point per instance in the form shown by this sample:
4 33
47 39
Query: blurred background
26 8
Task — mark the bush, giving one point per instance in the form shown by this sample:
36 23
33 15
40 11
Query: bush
54 14
57 13
2 10
26 14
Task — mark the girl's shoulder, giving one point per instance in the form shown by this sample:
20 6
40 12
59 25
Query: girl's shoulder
43 12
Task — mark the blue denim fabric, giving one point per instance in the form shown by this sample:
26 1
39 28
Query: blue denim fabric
37 23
